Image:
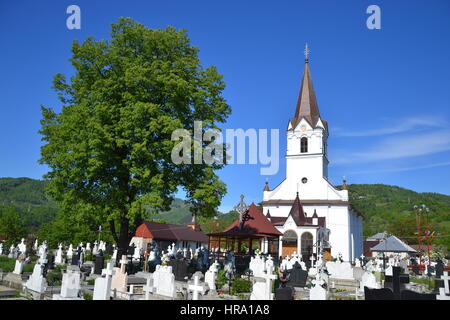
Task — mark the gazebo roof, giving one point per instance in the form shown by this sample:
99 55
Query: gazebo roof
257 226
392 244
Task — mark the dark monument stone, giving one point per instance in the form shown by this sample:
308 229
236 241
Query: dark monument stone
51 262
378 294
75 260
109 248
99 262
396 282
439 268
131 250
412 295
179 269
297 276
286 293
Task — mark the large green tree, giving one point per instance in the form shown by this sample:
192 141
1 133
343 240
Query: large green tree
109 149
11 225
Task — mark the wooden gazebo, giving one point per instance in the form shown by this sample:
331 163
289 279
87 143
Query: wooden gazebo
251 231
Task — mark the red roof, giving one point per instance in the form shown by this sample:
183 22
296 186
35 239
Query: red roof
172 232
258 225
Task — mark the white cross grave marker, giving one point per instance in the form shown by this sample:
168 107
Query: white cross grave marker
196 288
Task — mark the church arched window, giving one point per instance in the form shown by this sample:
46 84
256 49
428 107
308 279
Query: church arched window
306 243
304 145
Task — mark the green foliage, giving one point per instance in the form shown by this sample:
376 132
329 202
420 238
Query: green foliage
7 264
109 149
389 208
11 225
90 282
426 281
221 279
28 267
28 197
241 285
54 278
87 296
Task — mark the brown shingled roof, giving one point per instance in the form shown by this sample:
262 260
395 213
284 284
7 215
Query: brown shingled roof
297 212
307 107
259 226
172 232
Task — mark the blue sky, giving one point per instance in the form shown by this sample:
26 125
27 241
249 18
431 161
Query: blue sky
385 93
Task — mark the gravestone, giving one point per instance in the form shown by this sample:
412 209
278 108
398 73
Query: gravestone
37 282
211 275
148 288
378 294
444 293
164 281
18 268
297 276
358 272
59 258
318 292
99 262
119 280
51 262
263 290
102 285
397 281
196 287
284 293
70 286
439 268
257 265
340 270
179 269
368 280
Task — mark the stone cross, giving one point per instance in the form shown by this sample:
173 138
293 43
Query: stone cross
269 276
123 263
444 293
196 288
148 288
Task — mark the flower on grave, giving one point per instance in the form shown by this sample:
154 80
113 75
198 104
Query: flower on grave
257 251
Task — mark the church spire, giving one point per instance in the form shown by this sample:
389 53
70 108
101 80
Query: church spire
307 103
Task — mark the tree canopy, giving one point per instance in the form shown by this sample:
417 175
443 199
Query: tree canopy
109 149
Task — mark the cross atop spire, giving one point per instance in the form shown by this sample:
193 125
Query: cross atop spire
306 52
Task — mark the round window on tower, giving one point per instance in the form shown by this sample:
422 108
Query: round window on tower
304 180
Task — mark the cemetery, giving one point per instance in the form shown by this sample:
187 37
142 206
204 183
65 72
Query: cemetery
114 163
95 272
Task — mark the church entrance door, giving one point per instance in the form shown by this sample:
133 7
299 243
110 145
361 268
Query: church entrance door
289 243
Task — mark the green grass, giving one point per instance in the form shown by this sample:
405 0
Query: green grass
8 264
430 283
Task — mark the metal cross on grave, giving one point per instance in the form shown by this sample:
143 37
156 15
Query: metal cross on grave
196 288
123 263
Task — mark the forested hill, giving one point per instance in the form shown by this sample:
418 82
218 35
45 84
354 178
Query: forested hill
390 208
385 208
28 198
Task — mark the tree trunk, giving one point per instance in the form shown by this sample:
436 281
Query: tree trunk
124 240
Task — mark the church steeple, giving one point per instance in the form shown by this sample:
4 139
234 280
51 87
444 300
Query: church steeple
307 107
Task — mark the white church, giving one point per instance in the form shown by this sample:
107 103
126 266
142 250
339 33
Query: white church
305 199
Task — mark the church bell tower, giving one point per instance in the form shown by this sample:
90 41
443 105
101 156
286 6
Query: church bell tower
307 135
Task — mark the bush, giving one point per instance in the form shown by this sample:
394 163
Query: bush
7 264
90 282
221 279
87 296
54 278
241 286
